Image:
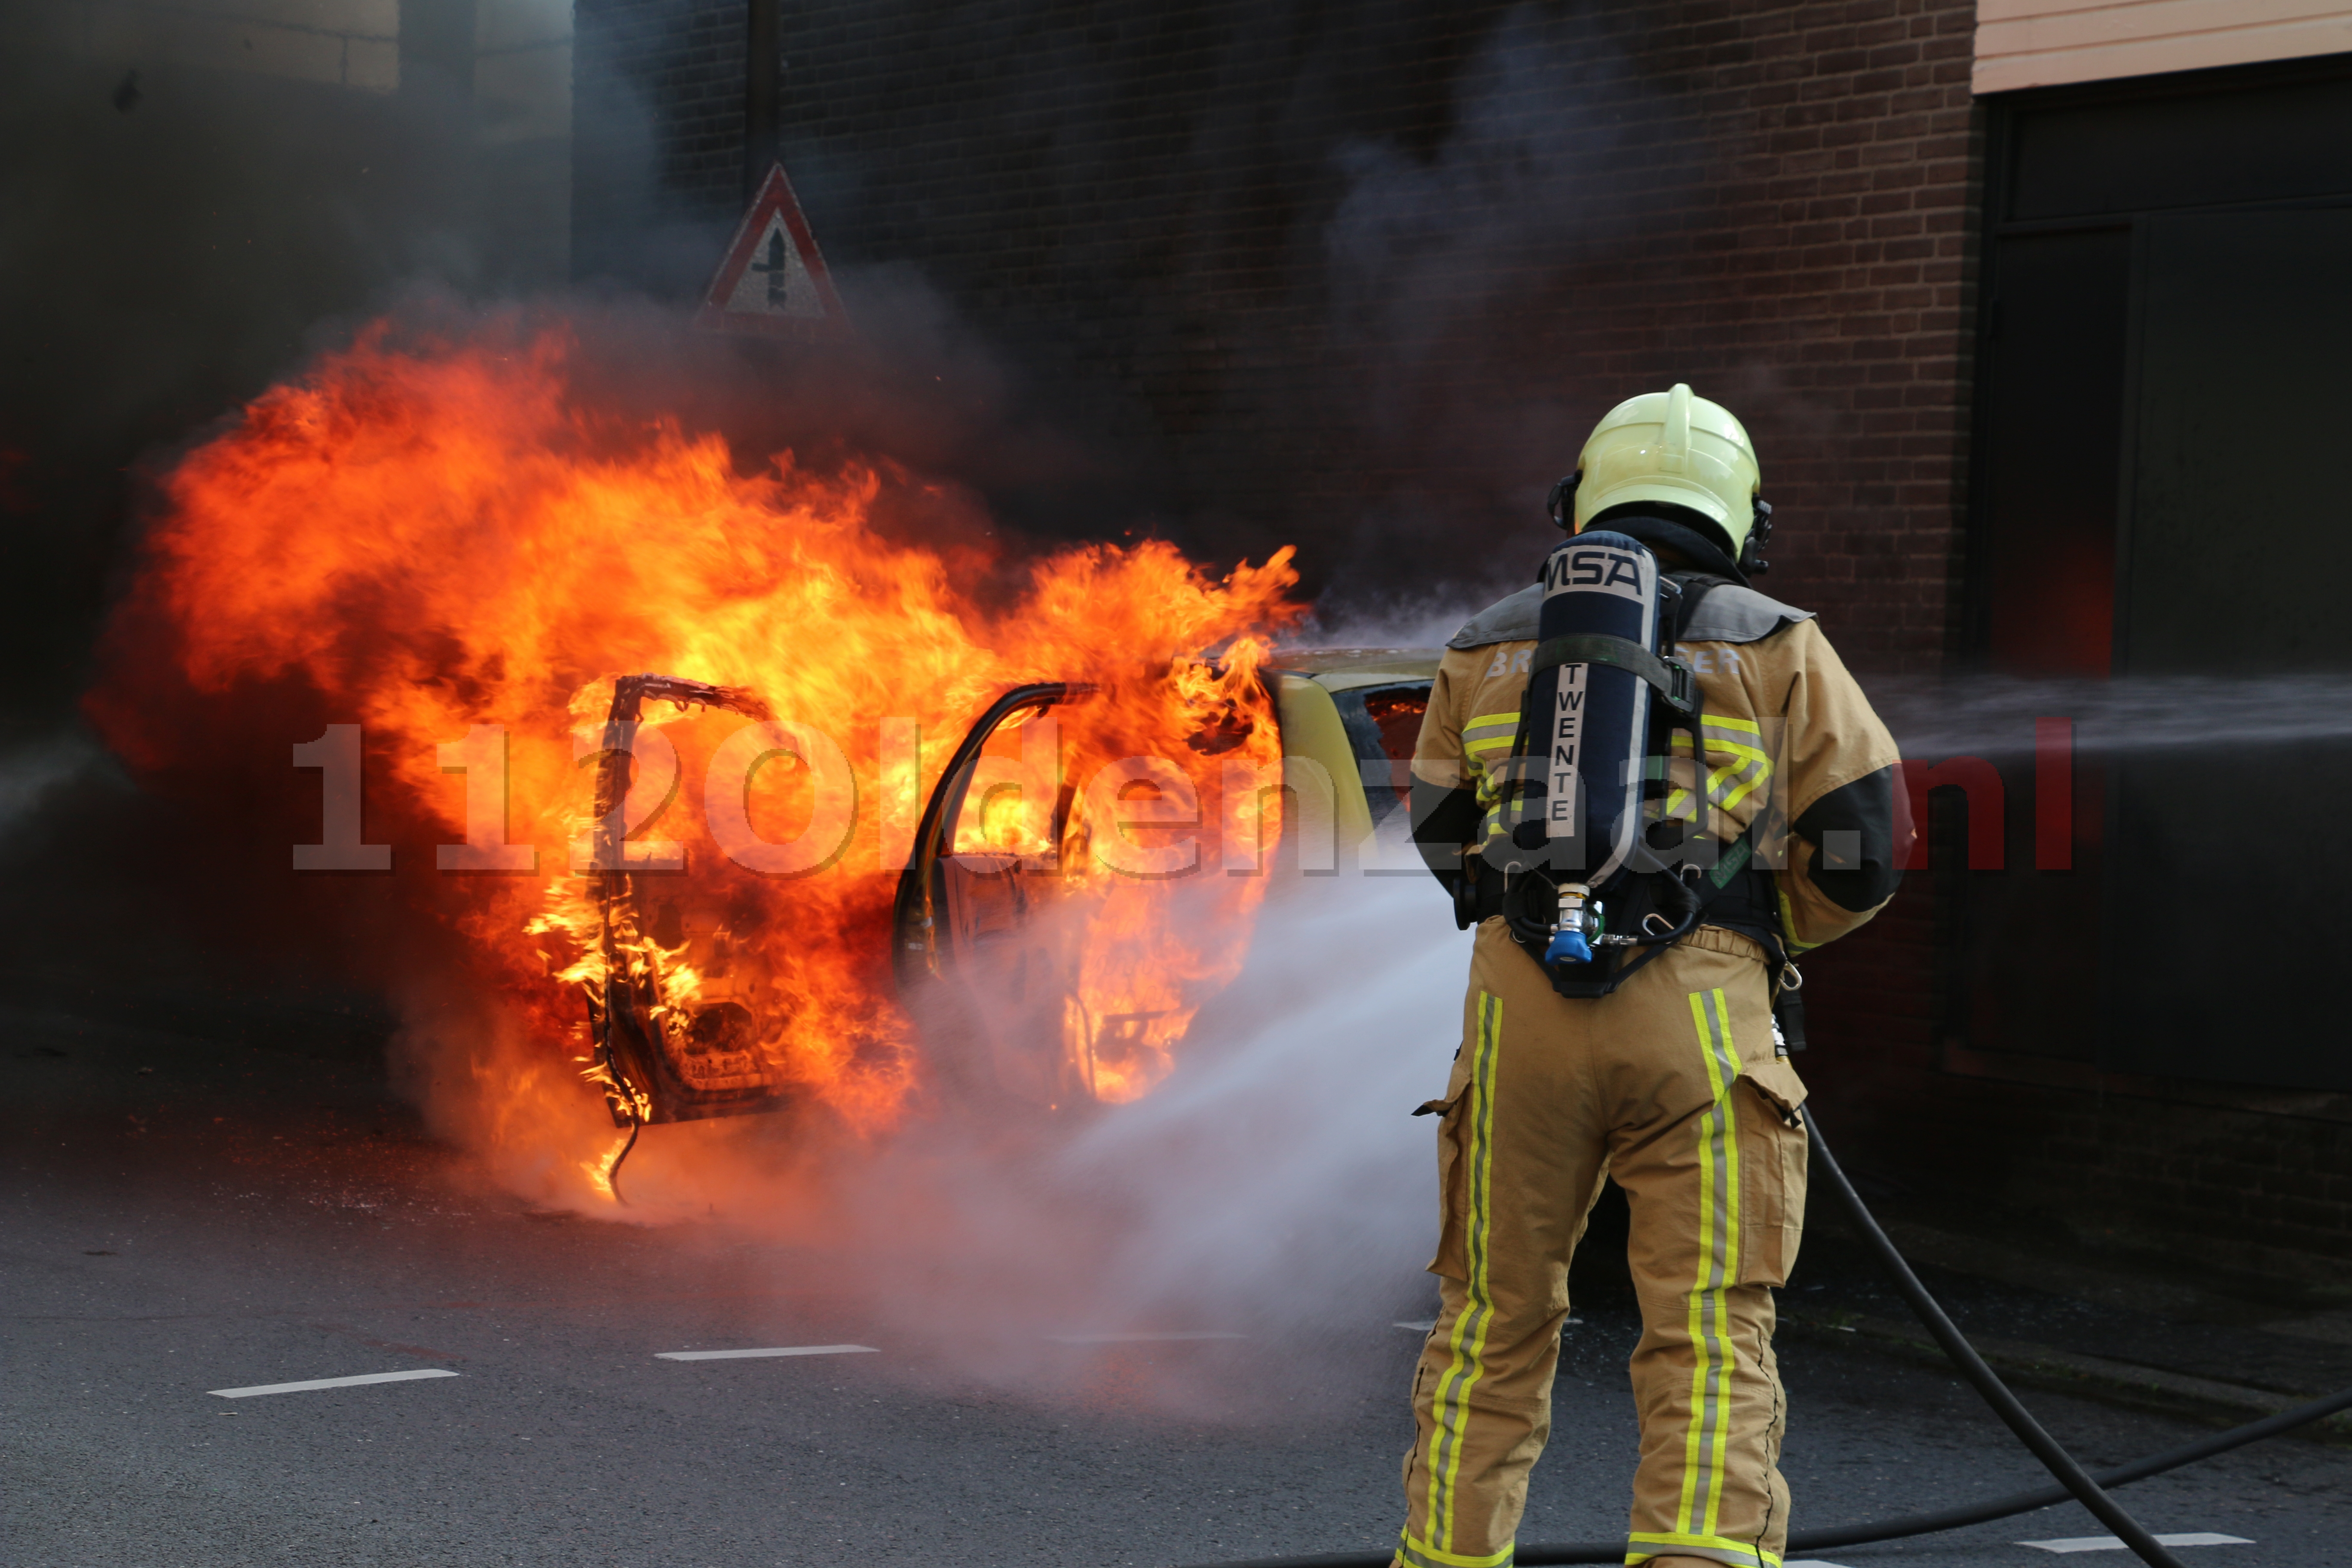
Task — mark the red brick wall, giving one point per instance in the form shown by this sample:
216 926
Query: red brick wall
1841 237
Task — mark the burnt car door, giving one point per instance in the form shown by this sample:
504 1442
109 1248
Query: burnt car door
984 967
660 1056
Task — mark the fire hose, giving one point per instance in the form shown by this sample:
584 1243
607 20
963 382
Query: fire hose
2073 1481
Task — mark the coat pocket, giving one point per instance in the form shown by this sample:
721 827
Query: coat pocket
1772 1172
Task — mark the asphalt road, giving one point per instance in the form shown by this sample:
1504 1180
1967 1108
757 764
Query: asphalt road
235 1217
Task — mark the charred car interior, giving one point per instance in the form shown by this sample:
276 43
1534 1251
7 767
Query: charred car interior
1001 934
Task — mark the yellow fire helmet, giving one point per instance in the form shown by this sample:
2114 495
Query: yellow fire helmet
1674 448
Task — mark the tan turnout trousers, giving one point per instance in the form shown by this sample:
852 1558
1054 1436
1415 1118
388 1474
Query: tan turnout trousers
1671 1085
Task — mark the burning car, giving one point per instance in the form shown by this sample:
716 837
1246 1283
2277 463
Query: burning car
453 550
1010 931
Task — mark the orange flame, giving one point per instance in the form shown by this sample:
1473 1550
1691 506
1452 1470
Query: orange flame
436 538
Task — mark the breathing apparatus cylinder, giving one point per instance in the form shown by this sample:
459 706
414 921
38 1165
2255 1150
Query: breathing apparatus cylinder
1578 883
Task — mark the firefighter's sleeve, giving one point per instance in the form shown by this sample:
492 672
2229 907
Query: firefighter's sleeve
1849 830
1445 813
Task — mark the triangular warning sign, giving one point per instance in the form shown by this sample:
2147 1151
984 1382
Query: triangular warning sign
773 282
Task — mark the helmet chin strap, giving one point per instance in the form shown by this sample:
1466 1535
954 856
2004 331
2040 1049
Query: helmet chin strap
1760 534
1561 502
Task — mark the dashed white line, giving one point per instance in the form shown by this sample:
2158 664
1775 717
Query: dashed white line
1422 1327
1141 1338
2110 1543
772 1350
327 1383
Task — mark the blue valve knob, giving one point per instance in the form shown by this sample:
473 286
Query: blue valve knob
1568 947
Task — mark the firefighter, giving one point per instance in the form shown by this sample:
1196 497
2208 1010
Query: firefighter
1671 1082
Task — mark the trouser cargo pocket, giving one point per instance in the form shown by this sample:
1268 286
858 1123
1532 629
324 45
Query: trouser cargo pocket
1453 1260
1772 1159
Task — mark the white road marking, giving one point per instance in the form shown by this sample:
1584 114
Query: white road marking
772 1349
2110 1543
1810 1562
327 1383
1139 1338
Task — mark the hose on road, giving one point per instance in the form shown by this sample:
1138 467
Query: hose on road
2073 1480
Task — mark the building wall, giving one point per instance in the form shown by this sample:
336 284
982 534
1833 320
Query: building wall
516 53
1361 280
658 136
2044 43
2205 1178
347 43
495 75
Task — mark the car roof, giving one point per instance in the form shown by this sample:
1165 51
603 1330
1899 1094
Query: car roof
1345 669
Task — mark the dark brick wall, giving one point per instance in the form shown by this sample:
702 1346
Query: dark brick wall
2258 1193
2173 1173
658 137
1360 278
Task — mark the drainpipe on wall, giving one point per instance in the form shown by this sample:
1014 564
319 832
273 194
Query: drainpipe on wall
762 90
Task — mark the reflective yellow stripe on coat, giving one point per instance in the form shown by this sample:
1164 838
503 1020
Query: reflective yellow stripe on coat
1734 748
1486 742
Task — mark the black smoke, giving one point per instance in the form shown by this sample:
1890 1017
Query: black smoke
1300 274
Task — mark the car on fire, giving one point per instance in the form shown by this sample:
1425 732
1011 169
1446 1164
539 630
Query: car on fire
986 944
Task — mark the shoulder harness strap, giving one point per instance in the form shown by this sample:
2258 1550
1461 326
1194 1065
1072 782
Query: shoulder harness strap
1672 679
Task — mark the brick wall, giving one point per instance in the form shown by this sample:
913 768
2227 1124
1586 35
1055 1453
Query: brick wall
2175 1174
1362 278
1358 279
658 137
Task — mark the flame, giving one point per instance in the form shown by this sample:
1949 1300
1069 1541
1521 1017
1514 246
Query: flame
429 537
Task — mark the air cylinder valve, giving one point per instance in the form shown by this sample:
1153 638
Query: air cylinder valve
1571 938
